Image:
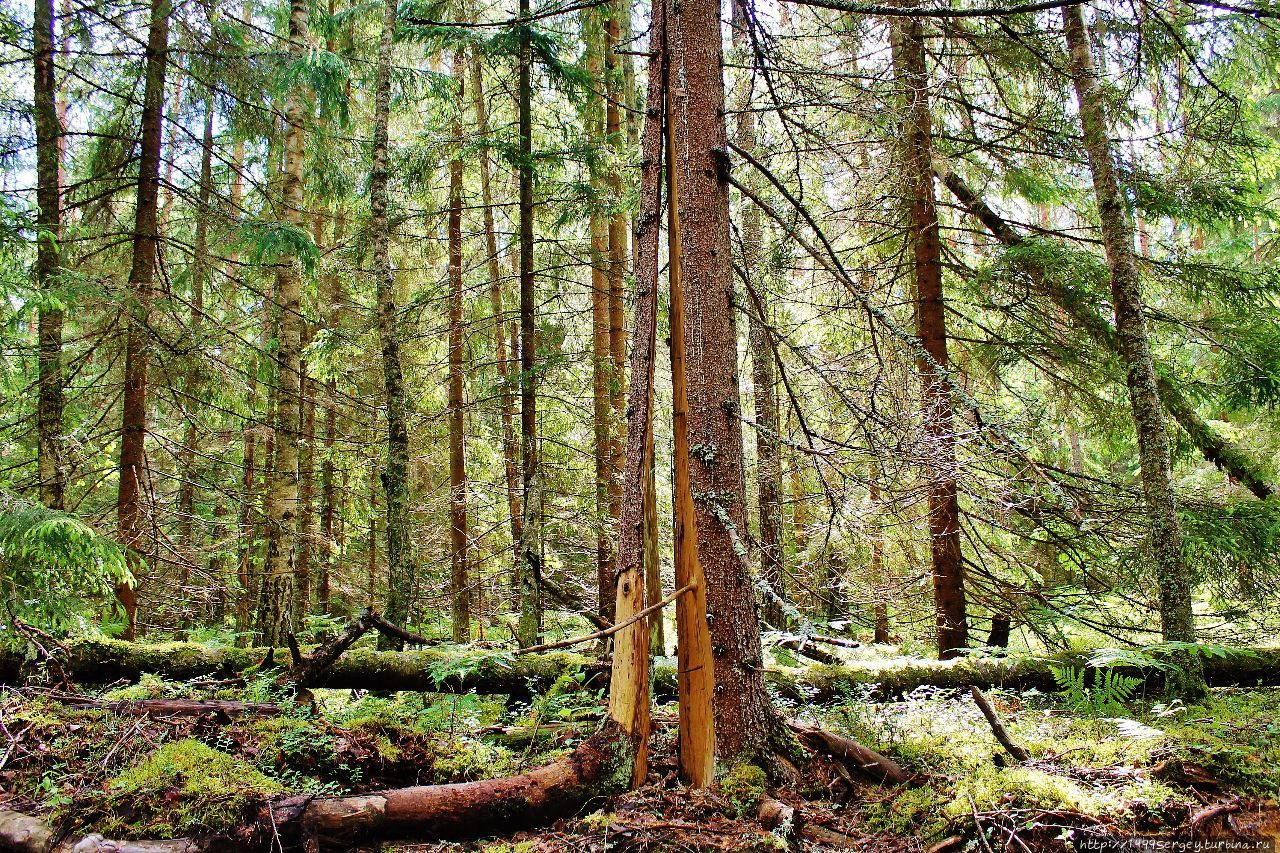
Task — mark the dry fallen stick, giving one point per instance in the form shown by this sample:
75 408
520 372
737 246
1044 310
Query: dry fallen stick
1011 746
607 632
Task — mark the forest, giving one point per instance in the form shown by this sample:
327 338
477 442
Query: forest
608 425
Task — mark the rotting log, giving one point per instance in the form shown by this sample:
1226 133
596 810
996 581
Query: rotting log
598 767
863 762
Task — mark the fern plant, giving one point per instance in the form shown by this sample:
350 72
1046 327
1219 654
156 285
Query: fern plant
54 567
1110 690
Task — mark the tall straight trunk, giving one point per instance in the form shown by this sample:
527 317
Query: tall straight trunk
1177 620
306 500
276 594
637 530
880 587
459 586
601 355
617 266
696 664
530 625
506 400
395 477
199 277
638 525
130 513
744 714
763 382
49 132
329 493
931 328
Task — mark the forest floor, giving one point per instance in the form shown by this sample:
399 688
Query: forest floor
1099 767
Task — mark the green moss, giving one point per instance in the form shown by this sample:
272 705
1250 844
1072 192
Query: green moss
988 788
183 788
912 812
743 787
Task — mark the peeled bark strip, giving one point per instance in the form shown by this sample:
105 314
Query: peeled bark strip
1177 620
1214 446
911 73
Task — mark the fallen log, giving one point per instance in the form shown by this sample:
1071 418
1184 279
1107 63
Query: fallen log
600 766
442 671
172 707
102 661
864 763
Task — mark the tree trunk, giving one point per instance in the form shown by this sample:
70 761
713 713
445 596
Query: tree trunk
744 716
506 400
276 594
329 512
531 538
131 515
616 270
199 276
1177 621
601 358
50 463
764 391
459 585
931 328
395 476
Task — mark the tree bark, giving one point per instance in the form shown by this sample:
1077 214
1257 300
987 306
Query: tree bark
744 715
199 275
938 413
131 516
1177 620
506 400
395 475
763 380
459 583
49 135
277 592
530 626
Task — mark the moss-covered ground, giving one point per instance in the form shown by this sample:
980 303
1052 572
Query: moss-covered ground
1133 767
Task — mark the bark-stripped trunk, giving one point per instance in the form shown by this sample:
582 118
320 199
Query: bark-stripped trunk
695 662
744 715
931 328
1177 621
276 593
764 386
459 584
637 529
506 400
50 464
1213 446
530 625
131 516
199 276
395 477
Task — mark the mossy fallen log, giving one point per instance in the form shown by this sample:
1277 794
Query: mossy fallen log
102 661
446 670
892 679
